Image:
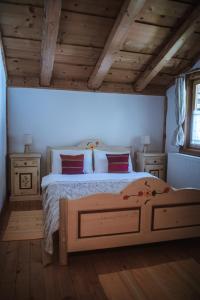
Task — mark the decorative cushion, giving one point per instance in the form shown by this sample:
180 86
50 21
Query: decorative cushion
72 164
118 163
101 162
56 167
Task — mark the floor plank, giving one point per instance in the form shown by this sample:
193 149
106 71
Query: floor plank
155 282
37 290
22 284
9 270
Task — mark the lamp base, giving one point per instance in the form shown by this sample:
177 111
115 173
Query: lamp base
27 148
145 149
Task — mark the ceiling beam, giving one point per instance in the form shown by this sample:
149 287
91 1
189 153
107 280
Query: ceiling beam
118 34
169 50
49 39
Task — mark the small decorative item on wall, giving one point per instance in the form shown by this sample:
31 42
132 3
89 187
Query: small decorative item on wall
145 141
27 143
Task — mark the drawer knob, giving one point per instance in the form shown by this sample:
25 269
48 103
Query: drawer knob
25 163
16 173
155 161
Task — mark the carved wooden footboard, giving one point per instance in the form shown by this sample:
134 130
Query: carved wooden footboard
147 210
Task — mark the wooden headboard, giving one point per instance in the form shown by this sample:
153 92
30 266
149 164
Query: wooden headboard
85 144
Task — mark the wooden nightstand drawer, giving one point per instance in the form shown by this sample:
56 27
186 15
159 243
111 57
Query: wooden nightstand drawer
25 181
156 170
26 163
154 160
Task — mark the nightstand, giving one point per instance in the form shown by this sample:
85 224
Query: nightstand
25 176
153 163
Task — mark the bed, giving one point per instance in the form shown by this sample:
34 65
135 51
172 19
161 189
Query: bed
103 210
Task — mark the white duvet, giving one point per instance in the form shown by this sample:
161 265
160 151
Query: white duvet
56 186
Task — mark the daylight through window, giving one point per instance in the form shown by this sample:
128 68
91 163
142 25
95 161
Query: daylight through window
195 118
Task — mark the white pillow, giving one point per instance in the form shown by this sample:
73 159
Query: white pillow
56 167
101 162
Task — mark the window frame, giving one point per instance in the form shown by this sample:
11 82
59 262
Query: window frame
191 81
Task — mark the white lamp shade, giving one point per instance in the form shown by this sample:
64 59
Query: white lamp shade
27 139
145 140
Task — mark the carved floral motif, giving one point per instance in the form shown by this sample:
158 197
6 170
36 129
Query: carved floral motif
92 145
148 192
25 181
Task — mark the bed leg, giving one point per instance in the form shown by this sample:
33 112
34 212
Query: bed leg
62 256
63 232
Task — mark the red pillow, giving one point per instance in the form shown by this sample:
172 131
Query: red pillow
117 163
72 164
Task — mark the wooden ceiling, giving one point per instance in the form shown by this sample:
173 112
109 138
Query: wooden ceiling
109 45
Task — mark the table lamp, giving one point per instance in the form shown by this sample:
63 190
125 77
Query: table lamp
27 143
145 141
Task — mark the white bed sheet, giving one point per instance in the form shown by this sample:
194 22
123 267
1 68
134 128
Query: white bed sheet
57 186
60 178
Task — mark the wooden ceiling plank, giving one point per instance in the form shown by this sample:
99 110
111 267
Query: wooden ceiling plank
21 21
26 2
22 48
191 47
22 67
138 61
121 76
77 55
102 8
145 38
162 12
84 29
169 50
125 19
71 72
50 34
21 44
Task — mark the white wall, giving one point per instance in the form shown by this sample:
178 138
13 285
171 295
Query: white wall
183 170
3 139
57 117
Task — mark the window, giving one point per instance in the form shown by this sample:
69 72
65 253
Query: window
195 119
192 121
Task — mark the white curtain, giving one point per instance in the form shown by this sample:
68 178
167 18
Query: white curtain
180 94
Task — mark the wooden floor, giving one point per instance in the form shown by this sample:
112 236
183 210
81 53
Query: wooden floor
22 275
178 280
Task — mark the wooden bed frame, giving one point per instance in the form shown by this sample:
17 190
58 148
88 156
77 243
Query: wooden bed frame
147 210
